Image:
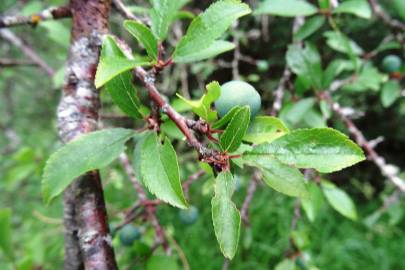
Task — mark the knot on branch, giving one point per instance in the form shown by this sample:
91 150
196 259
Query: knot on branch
218 160
199 126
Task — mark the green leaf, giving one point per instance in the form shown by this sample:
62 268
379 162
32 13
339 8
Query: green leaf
225 215
309 27
369 78
265 129
202 107
6 233
399 7
306 62
390 92
169 128
286 8
314 202
162 15
324 4
209 26
339 200
286 264
113 62
233 135
123 93
342 43
360 8
314 119
335 68
88 152
160 262
281 177
144 36
217 47
324 149
390 45
227 117
159 169
299 110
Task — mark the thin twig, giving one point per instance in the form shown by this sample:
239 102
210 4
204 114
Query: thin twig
244 212
28 51
386 169
191 179
48 220
225 265
212 156
150 209
51 13
236 54
125 12
385 17
6 62
397 27
296 215
180 252
279 93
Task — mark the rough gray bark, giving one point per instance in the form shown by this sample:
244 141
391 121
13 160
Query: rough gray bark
87 239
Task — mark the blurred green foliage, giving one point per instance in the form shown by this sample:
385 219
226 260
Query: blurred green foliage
28 104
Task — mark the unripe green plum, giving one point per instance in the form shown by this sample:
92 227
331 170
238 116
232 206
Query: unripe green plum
189 216
391 63
238 93
128 234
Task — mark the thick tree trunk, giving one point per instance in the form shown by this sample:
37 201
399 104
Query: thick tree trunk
87 239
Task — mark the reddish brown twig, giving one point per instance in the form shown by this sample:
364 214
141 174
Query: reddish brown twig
191 179
150 208
219 160
28 51
52 13
130 216
296 215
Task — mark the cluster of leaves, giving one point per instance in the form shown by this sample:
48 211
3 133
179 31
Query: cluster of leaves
273 149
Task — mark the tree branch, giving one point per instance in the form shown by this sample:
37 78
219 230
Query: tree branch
397 27
28 51
86 226
386 169
52 13
385 17
212 156
125 12
279 93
